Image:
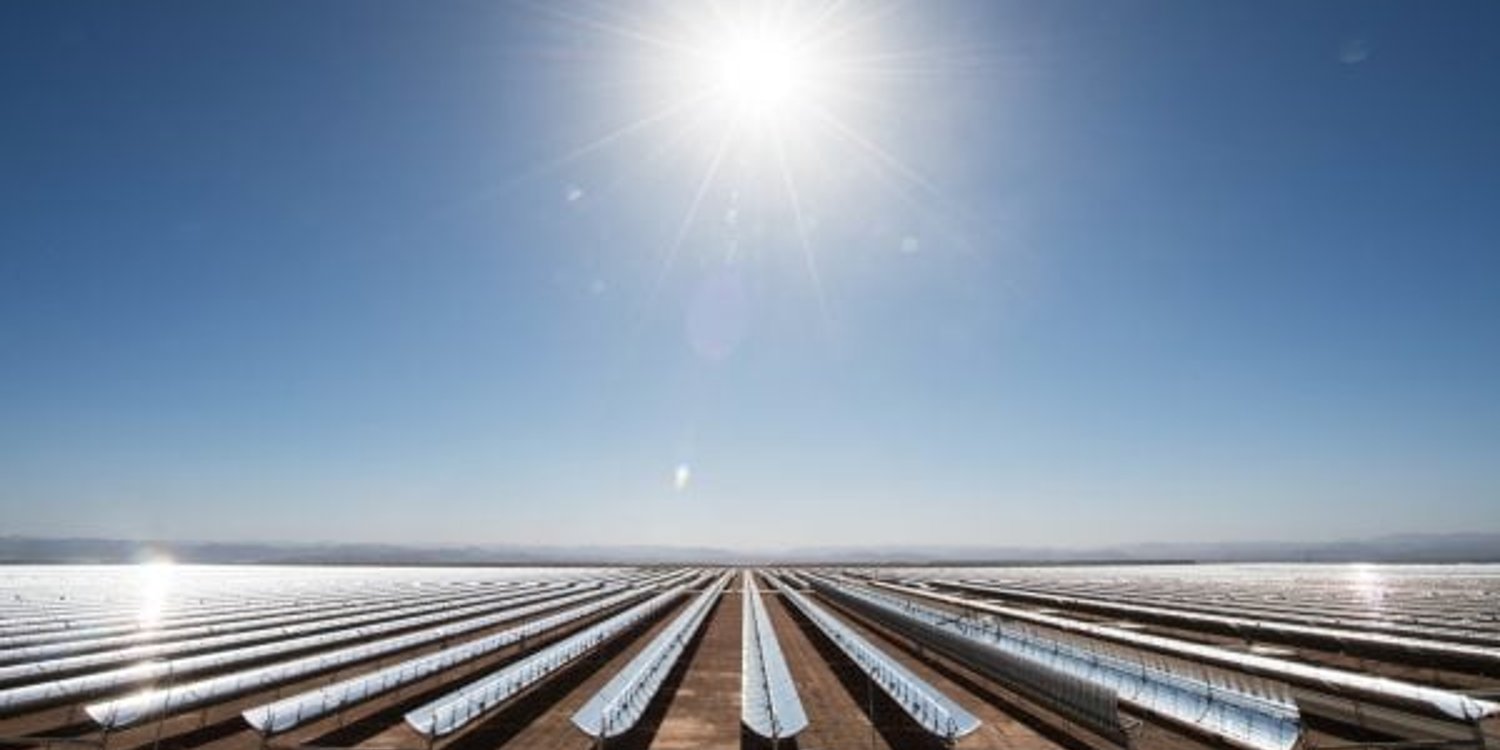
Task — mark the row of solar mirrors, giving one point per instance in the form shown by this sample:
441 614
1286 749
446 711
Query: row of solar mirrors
1086 680
771 705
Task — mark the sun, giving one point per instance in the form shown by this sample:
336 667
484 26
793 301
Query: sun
769 119
762 76
757 72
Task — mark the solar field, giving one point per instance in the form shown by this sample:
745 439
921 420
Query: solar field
1259 657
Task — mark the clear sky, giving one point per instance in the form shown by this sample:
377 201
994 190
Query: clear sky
1063 273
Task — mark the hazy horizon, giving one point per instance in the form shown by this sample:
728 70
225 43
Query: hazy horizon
1447 549
750 275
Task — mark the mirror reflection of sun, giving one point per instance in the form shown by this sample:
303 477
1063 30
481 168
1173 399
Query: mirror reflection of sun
155 580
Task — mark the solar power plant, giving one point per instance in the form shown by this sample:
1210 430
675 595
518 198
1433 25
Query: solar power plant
1252 657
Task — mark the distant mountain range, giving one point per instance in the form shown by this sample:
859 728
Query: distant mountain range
1406 548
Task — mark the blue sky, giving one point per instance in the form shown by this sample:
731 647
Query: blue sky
1080 274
